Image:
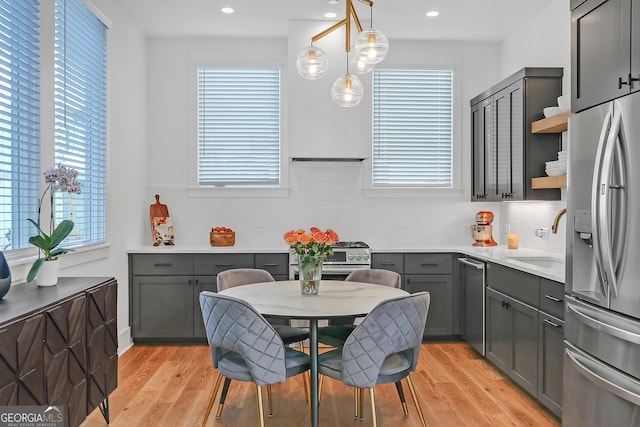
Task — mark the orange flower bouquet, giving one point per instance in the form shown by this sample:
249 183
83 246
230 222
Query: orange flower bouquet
312 248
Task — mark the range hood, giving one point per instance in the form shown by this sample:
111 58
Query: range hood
328 159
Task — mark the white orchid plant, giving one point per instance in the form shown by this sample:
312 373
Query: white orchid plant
62 179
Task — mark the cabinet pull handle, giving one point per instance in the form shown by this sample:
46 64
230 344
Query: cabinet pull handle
189 282
633 79
162 264
224 265
387 263
271 265
505 304
554 299
428 264
550 323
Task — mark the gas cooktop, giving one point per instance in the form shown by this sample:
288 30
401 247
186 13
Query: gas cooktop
350 245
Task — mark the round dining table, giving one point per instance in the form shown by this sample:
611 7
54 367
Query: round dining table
335 299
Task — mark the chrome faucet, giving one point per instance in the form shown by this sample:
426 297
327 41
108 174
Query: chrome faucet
554 227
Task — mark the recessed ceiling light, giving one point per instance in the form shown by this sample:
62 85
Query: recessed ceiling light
433 13
227 10
330 15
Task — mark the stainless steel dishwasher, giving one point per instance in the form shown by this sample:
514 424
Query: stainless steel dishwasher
473 286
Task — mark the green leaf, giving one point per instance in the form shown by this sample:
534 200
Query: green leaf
36 225
59 251
42 242
61 231
34 269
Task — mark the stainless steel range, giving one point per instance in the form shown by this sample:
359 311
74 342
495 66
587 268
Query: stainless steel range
347 257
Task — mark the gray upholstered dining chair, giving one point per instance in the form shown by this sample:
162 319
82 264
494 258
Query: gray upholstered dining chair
289 334
245 276
245 347
383 349
339 329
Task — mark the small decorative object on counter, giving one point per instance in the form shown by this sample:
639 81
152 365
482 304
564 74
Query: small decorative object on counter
62 179
162 231
312 248
512 241
5 276
481 230
222 236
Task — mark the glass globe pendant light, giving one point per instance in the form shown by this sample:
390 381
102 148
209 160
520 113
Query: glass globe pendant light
357 64
347 90
312 62
373 46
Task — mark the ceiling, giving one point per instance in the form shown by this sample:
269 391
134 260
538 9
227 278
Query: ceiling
486 20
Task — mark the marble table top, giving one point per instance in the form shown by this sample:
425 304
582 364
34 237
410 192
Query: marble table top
335 298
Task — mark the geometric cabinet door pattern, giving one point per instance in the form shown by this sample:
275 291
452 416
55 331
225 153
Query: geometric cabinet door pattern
102 343
63 352
22 362
65 358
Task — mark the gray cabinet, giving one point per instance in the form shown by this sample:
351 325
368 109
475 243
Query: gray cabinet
551 345
512 339
433 273
165 288
605 60
505 154
524 331
550 350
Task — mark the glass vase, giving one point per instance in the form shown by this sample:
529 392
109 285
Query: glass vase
310 274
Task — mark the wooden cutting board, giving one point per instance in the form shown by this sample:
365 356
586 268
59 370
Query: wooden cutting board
157 210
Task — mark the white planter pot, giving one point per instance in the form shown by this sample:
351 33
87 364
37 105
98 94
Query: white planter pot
48 273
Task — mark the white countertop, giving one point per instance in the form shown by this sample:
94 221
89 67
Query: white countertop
497 254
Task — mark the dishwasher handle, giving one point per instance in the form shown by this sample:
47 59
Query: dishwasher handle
472 263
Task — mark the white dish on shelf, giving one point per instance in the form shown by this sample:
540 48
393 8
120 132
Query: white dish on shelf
551 111
555 172
564 103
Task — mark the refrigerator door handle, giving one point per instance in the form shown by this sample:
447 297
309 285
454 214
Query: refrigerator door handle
588 316
595 212
590 370
603 200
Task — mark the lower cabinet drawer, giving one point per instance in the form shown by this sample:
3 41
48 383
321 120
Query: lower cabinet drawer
162 264
212 264
552 297
428 264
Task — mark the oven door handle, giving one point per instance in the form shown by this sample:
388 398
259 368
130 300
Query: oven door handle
342 270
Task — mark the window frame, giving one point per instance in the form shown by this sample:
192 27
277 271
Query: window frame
194 189
456 190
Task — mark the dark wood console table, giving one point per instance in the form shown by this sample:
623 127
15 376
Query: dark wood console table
58 346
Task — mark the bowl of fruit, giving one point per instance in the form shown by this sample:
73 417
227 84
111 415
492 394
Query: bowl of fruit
222 236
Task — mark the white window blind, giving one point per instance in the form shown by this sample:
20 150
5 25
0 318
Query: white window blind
80 118
412 128
238 127
19 121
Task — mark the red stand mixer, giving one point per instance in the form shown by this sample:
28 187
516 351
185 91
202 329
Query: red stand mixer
481 230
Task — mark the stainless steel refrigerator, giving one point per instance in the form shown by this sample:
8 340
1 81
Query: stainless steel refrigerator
601 385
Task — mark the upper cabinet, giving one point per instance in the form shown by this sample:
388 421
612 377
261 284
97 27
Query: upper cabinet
506 155
605 55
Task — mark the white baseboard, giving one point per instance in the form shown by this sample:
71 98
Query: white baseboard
124 341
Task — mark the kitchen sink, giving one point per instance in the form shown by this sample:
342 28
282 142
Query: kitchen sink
539 261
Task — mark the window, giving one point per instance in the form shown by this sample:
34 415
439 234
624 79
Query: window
80 118
238 127
412 128
19 120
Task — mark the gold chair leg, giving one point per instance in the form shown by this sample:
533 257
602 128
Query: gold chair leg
216 387
373 408
260 408
415 400
320 383
269 401
361 401
355 403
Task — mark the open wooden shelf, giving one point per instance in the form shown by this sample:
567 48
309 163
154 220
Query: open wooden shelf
553 124
559 181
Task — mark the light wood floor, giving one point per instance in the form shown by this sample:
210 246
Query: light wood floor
170 386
